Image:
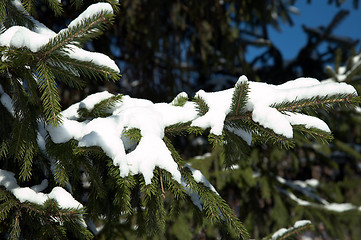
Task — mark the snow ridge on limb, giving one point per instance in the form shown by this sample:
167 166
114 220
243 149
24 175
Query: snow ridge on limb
257 115
33 195
139 147
64 209
292 232
87 26
309 193
59 57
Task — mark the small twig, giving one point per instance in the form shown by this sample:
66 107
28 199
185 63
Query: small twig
161 184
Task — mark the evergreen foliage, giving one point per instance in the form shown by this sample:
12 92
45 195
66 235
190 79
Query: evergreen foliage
41 141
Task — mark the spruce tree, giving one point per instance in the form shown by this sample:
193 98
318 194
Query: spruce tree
108 166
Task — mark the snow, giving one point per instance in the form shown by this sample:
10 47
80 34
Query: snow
19 37
33 195
271 118
301 88
340 207
305 187
301 223
262 96
145 158
308 182
245 135
200 178
333 207
107 133
94 57
343 72
307 121
91 11
180 95
40 187
39 27
6 101
204 156
219 106
152 119
67 130
281 232
193 195
90 101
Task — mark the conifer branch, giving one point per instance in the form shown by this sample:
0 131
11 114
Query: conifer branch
23 145
6 207
201 105
56 7
180 100
195 130
100 109
326 102
298 228
235 148
26 162
61 156
215 207
87 29
66 73
177 129
171 185
355 70
76 3
133 134
215 140
3 10
266 135
315 133
244 116
49 94
28 5
124 186
175 155
4 149
91 69
15 17
239 98
15 226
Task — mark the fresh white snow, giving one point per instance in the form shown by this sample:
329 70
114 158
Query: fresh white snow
219 106
200 178
91 11
19 37
261 98
6 101
152 119
90 101
33 195
333 207
281 232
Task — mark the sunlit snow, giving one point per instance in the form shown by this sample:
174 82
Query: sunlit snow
23 194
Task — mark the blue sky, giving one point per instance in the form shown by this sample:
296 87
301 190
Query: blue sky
318 13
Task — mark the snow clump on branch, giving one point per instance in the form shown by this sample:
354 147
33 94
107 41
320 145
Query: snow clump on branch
152 119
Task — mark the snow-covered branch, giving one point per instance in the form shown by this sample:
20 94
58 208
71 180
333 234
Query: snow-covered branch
152 119
306 191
